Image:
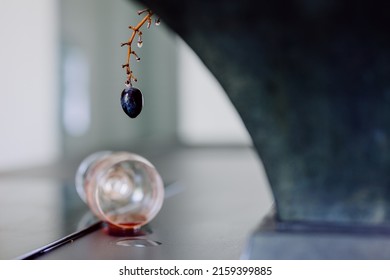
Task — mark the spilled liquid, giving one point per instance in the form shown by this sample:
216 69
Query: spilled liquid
128 229
133 236
140 243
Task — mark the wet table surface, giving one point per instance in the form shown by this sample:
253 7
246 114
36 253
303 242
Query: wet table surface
215 198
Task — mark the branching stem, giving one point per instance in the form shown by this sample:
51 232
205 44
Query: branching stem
136 30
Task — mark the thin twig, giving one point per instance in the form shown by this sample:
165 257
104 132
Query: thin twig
136 30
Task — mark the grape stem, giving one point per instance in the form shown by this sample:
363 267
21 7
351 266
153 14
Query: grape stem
136 30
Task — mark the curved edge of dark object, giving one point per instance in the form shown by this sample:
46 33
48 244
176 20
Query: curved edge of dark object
311 81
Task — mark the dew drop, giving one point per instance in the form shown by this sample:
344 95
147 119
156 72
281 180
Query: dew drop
140 43
157 22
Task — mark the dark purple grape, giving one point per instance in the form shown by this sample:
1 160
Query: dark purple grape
132 101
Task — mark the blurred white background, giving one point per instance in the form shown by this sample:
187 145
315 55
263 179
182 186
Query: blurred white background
61 78
29 83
